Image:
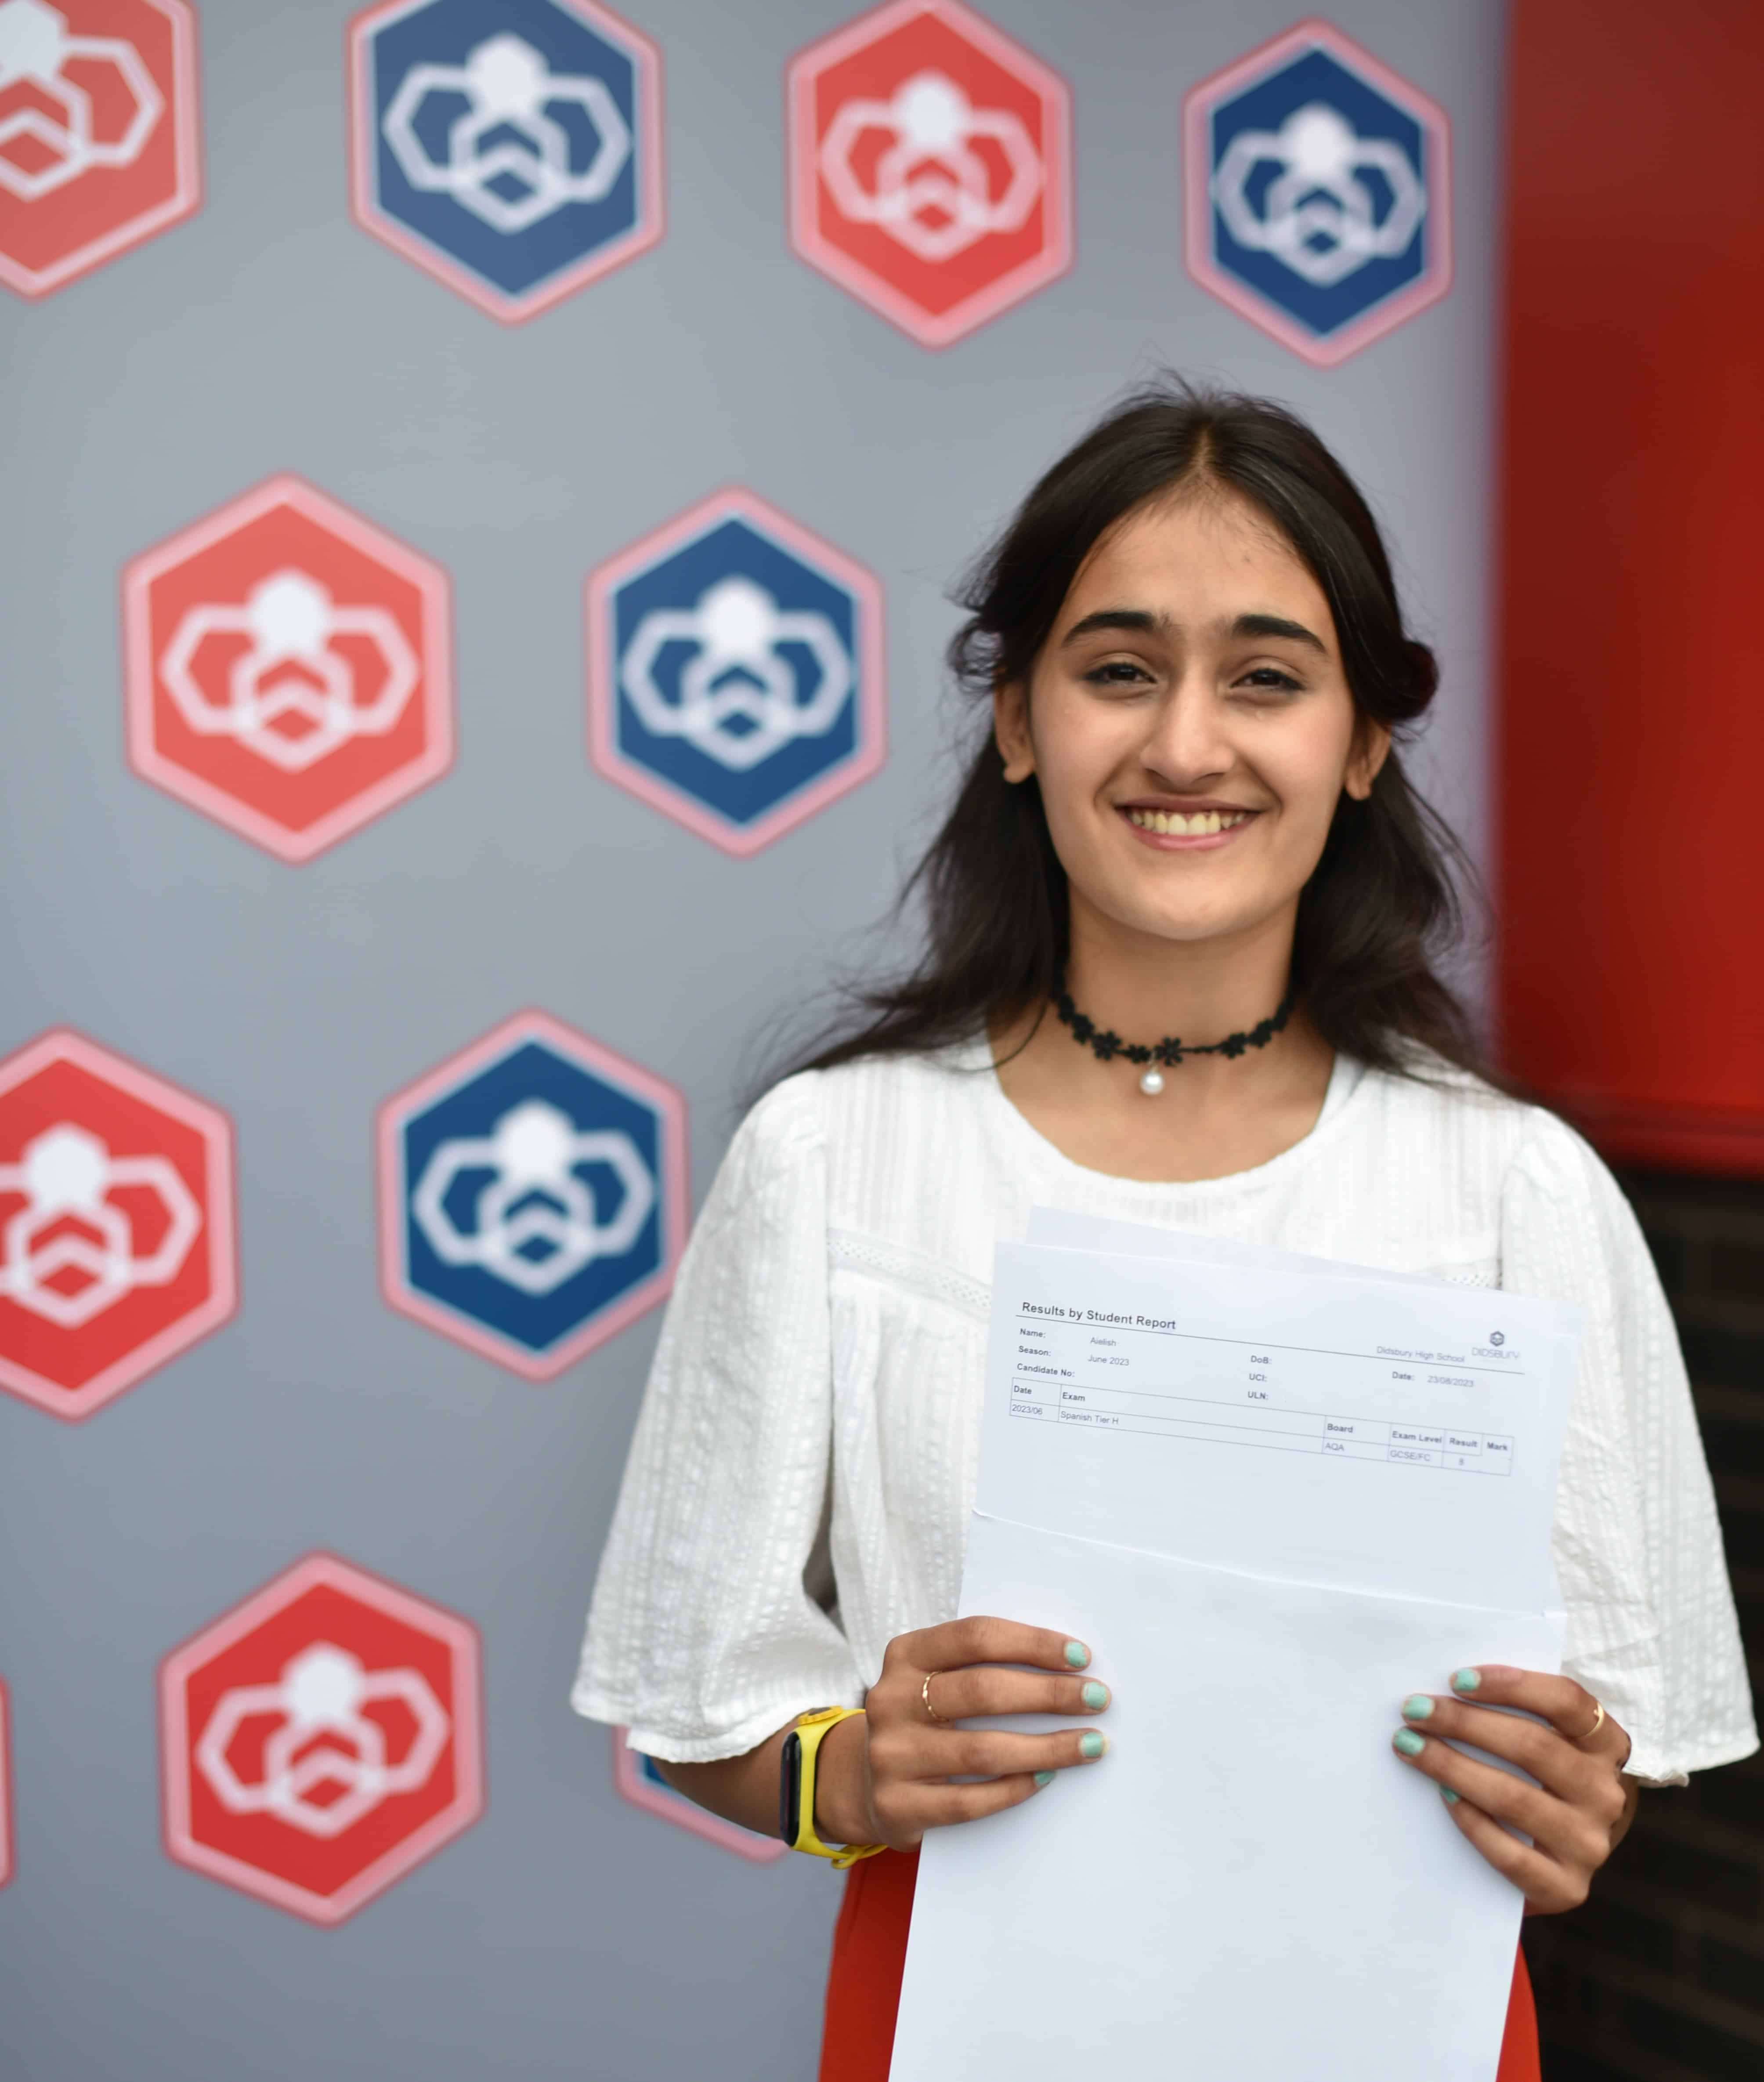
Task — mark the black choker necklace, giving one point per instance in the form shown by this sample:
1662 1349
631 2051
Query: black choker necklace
1106 1045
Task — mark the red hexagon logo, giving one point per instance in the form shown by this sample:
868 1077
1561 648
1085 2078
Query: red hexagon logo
930 166
636 1779
322 1738
99 133
116 1244
288 668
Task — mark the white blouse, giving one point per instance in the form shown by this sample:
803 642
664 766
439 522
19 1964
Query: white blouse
799 1483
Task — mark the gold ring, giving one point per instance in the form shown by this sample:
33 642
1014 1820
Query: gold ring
1598 1722
924 1700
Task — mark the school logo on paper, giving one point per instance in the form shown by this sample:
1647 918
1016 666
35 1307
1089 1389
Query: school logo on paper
532 1195
320 1739
1319 191
116 1246
636 1779
99 145
288 668
930 166
510 147
734 671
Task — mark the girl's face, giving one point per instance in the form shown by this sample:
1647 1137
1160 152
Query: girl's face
1189 724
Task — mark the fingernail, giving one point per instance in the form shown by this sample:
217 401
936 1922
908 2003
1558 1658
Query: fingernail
1417 1707
1046 1778
1408 1742
1448 1796
1091 1745
1095 1695
1466 1680
1077 1654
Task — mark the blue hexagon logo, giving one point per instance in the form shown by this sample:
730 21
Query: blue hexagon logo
532 1194
511 148
1319 192
736 671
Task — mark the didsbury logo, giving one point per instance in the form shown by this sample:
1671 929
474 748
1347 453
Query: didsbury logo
735 671
515 154
930 166
1319 192
117 1245
98 143
288 668
320 1738
1497 1348
532 1195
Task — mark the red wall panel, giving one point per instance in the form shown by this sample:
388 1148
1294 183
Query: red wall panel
1630 972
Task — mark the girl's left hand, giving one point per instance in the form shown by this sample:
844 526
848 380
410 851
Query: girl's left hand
1578 1810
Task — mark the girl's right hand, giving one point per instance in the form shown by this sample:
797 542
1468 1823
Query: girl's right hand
895 1784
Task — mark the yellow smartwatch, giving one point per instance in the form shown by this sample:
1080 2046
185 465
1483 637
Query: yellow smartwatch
796 1788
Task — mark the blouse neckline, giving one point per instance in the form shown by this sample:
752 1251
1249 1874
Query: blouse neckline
1348 1078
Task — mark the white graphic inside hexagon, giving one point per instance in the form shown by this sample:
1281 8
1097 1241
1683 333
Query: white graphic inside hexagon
298 792
531 1228
505 157
956 175
737 702
269 1830
95 1240
1301 193
93 91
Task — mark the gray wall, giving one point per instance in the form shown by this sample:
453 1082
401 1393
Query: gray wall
566 1933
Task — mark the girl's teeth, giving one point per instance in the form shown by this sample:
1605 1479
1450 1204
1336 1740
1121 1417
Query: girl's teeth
1172 823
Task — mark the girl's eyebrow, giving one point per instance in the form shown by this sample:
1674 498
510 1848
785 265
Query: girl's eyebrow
1135 619
1139 621
1278 625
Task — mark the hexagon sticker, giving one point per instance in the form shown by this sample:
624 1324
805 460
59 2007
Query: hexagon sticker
288 668
736 671
930 166
320 1739
99 133
636 1779
511 148
1319 192
532 1195
116 1243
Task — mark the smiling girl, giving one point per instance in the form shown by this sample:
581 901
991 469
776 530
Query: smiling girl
1179 968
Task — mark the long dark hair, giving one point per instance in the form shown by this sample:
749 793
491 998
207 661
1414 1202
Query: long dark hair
1382 897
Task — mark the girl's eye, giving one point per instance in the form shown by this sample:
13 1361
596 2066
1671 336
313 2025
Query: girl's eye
1116 672
1271 678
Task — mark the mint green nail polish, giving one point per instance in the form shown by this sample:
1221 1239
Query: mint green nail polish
1077 1654
1408 1742
1448 1796
1466 1680
1092 1744
1096 1696
1417 1707
1046 1778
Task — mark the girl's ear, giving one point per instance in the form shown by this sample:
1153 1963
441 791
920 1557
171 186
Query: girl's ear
1010 729
1371 748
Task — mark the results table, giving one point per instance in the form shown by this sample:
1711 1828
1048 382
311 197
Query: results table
1130 1381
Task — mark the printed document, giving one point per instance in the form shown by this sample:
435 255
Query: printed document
1275 1496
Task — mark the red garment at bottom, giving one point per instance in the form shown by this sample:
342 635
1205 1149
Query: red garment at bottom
870 1952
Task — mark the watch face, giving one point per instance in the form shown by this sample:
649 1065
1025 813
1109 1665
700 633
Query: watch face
790 1787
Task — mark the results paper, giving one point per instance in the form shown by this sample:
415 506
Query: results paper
1274 1496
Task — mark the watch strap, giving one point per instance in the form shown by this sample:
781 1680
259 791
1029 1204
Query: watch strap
807 1735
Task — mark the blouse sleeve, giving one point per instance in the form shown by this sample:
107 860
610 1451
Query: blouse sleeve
1651 1626
703 1636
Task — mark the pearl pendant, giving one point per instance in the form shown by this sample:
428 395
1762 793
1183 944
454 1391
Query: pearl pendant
1151 1083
